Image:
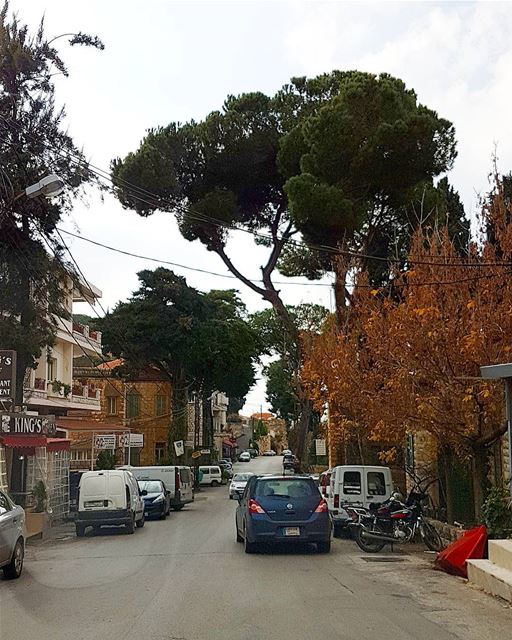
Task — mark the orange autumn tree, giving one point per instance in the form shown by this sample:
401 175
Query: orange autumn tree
407 358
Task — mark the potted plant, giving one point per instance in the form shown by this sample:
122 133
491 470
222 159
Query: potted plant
35 516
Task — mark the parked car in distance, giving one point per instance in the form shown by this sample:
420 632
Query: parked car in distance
245 456
157 501
12 537
286 452
254 452
238 484
225 462
358 486
177 480
277 509
109 497
211 475
290 462
270 452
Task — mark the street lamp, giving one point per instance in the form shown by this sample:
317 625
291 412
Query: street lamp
49 187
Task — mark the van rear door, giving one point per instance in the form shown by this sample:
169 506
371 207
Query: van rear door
377 484
350 484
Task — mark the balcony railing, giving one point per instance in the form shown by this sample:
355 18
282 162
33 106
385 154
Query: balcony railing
87 333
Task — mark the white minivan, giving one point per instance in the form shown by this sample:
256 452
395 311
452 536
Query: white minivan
359 486
177 481
210 476
108 497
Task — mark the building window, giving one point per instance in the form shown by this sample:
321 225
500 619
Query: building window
159 451
160 405
52 369
111 405
132 405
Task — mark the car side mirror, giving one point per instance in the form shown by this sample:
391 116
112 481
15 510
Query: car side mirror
143 492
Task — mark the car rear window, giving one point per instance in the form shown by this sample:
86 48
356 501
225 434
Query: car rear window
285 488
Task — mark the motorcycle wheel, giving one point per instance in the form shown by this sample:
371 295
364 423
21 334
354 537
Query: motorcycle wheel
431 537
369 546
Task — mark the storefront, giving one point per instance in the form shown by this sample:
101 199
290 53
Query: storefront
34 465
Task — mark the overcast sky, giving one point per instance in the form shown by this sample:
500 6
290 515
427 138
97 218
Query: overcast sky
166 61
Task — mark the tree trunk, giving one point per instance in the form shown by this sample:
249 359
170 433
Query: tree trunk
302 430
448 471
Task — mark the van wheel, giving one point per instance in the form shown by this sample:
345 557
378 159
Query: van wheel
178 507
214 483
130 527
15 566
80 531
140 523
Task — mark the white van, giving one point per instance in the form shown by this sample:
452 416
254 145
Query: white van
109 497
358 486
177 481
210 476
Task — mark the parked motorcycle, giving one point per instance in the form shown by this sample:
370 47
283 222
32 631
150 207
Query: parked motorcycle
394 522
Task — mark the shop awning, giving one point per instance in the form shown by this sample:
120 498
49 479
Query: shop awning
22 441
58 444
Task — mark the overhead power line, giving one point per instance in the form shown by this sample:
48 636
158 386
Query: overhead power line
157 202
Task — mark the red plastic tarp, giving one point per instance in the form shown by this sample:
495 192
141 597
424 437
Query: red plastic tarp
470 546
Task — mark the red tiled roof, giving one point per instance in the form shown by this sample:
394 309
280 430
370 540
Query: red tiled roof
74 424
113 364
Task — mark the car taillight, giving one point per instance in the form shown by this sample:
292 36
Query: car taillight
254 507
336 501
322 507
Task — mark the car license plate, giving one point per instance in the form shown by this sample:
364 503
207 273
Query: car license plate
291 531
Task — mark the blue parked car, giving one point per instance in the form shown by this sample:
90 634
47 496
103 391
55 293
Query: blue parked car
156 498
282 509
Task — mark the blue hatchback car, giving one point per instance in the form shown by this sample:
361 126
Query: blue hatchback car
282 509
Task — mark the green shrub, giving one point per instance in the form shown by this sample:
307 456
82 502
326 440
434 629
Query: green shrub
497 512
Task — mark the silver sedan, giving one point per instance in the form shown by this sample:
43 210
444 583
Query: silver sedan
237 486
12 537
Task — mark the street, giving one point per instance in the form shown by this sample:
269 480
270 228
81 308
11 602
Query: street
186 578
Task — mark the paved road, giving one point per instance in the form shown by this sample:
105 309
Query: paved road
187 579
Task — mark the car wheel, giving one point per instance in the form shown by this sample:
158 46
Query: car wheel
80 531
140 523
178 507
214 483
130 527
336 531
249 547
163 515
238 536
14 568
324 547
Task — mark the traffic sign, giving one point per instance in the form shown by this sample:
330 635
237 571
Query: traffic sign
105 441
179 447
196 454
320 447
